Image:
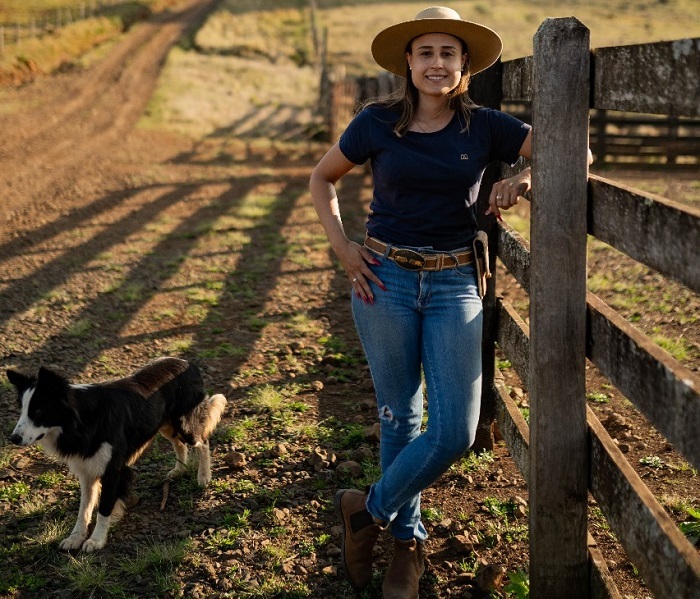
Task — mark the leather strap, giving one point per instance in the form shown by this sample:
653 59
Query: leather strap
412 260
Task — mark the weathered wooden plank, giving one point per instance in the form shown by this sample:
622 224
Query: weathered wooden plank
641 370
517 79
660 78
514 252
668 563
602 584
558 432
513 338
662 234
516 434
666 392
514 430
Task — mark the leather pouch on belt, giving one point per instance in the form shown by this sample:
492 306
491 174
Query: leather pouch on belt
480 246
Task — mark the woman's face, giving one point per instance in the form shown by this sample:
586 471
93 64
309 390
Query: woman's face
436 61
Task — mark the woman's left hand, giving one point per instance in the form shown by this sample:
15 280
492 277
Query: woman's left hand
506 193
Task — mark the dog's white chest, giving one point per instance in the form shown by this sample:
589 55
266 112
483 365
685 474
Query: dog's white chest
92 467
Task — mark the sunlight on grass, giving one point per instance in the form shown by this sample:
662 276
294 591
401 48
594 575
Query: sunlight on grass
86 575
677 347
238 431
265 398
180 346
156 556
14 492
52 532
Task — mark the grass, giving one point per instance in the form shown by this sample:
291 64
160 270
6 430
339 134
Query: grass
154 561
597 397
474 462
518 586
14 492
652 461
611 23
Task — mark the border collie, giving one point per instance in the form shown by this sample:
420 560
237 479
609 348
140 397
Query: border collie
100 430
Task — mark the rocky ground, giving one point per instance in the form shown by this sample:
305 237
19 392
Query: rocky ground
119 245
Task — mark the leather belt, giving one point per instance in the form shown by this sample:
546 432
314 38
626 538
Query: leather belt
412 260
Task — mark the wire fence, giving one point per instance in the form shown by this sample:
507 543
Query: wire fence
48 22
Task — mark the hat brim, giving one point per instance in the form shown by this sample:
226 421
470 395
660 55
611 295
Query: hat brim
389 45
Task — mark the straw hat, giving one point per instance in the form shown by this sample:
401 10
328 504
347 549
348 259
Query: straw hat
389 46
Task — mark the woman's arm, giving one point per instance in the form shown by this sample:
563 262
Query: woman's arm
353 256
506 193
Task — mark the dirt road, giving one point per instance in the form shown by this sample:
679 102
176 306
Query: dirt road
61 129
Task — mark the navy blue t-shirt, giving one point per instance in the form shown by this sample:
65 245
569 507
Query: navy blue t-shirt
426 184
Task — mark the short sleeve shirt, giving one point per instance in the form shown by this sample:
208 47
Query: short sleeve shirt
426 184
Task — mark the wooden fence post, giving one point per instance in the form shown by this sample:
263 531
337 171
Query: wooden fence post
487 90
558 431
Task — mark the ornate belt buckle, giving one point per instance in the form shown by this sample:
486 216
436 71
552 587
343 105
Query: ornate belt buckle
408 259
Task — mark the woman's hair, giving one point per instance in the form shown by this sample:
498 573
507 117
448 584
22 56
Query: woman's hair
405 99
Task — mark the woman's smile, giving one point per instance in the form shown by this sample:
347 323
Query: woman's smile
437 58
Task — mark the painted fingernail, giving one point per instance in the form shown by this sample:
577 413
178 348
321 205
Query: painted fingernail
382 287
375 262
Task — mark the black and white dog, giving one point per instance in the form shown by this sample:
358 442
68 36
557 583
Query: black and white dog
100 430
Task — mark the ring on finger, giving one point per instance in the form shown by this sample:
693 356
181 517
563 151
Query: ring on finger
354 280
499 196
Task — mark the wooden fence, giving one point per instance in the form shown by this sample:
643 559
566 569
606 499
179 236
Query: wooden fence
565 453
616 138
630 139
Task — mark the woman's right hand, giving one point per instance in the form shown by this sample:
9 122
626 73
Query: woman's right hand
356 259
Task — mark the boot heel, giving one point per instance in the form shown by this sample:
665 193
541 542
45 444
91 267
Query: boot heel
358 537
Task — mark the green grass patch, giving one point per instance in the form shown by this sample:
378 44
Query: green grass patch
14 492
597 397
475 462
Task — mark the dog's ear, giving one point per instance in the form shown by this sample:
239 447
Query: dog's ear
58 387
52 379
18 379
61 393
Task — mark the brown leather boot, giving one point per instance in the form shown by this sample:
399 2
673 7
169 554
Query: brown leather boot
407 566
360 533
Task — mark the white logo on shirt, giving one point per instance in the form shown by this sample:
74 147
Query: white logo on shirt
464 157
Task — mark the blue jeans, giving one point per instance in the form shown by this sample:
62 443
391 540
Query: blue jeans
433 320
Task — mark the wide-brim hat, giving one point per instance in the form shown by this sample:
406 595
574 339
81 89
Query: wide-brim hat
389 46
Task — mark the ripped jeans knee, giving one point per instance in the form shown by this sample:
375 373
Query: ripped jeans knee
386 415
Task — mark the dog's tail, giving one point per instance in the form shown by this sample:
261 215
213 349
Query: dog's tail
201 422
216 404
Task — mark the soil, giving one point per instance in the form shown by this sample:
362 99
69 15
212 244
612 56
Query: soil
118 245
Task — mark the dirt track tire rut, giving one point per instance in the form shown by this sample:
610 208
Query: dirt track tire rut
78 118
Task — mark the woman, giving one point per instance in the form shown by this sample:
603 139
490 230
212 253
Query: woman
416 304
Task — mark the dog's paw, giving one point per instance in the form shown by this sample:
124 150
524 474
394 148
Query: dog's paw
72 542
203 478
175 472
93 544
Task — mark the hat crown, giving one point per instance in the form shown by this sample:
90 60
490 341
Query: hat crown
438 12
390 45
